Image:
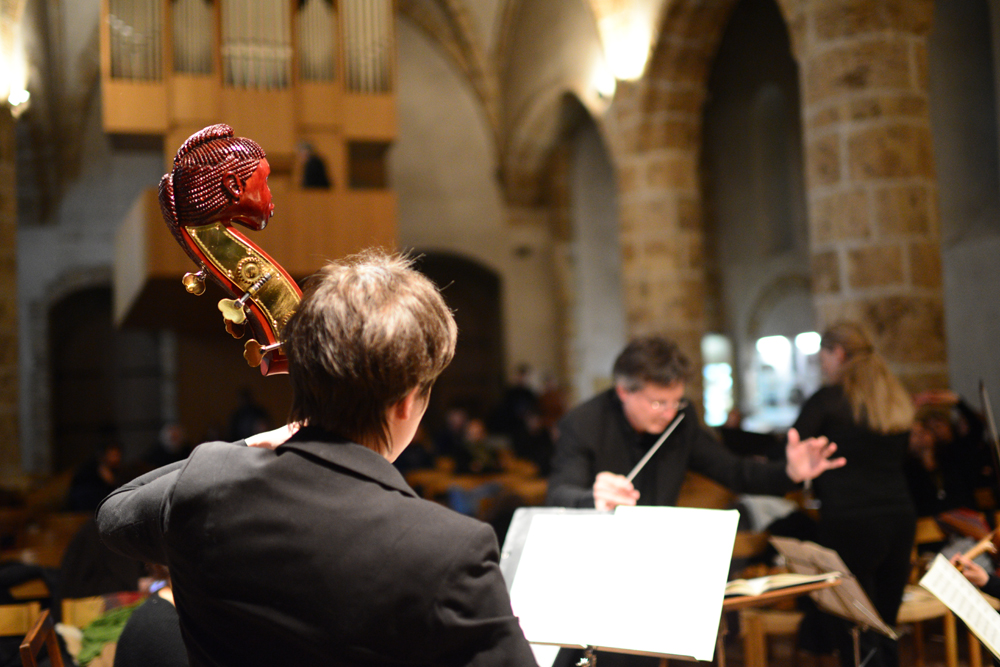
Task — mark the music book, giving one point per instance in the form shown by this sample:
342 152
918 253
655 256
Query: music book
773 582
965 600
621 581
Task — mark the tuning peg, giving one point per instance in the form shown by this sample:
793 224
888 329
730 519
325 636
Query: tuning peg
232 311
252 353
235 330
194 283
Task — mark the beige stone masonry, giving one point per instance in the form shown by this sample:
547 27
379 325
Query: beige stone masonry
871 188
842 215
904 210
874 266
925 264
823 160
872 64
871 185
825 272
894 151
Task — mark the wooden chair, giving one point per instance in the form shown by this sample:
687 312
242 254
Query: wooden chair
920 606
16 619
79 612
700 491
42 633
757 626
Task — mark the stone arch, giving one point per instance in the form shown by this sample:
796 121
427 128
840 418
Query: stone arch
678 71
551 115
37 429
448 24
87 374
770 297
660 141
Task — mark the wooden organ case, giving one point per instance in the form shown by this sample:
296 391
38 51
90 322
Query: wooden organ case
312 81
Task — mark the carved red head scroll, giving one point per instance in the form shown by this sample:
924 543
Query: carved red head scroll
219 179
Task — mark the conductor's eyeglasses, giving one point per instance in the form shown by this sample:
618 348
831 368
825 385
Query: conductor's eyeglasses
675 406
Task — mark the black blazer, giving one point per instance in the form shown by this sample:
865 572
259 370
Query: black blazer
316 553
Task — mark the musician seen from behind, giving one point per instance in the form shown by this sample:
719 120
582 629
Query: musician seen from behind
601 440
312 549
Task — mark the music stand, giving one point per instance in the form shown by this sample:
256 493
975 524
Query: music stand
991 426
588 579
848 600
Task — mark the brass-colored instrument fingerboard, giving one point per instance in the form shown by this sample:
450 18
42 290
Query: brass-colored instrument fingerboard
249 271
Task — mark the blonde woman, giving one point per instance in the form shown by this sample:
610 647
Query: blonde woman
866 513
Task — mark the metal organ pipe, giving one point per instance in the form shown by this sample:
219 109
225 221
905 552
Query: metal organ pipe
192 36
257 43
134 27
317 39
368 33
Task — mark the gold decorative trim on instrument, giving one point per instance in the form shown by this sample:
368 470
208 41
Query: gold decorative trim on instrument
248 269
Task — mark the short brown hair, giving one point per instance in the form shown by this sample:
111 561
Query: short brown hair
652 359
369 330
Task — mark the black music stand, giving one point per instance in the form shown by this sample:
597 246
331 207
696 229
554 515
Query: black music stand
848 600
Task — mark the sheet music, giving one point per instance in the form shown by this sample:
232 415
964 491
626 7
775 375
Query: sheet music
965 600
625 581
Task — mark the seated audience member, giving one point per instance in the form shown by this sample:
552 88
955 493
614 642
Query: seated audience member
449 442
310 548
95 478
419 455
484 449
88 568
152 635
171 446
248 418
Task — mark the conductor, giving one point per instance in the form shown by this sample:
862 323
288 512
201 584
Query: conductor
604 438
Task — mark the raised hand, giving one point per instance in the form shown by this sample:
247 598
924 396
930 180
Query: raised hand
809 458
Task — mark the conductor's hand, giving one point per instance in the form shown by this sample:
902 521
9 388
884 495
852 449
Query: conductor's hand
974 573
271 439
809 458
611 490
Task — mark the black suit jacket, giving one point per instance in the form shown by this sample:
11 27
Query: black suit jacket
316 553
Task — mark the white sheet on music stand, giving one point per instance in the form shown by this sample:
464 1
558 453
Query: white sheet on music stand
647 579
958 594
545 654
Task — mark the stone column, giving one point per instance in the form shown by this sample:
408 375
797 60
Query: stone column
656 140
872 190
9 434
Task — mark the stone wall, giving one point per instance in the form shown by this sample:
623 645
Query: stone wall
655 128
872 190
9 440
